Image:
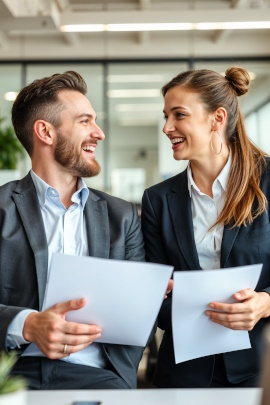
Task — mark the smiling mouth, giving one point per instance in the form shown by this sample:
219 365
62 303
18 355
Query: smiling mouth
177 141
89 148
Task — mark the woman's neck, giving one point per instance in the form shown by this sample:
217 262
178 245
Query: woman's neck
204 172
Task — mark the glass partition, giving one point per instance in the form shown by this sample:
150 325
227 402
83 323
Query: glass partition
255 104
135 125
127 99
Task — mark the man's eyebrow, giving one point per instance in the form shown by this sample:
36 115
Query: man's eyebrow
90 116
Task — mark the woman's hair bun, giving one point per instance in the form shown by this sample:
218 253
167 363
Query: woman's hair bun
239 79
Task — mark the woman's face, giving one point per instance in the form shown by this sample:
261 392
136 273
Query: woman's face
188 126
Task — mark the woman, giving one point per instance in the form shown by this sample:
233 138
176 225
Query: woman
212 215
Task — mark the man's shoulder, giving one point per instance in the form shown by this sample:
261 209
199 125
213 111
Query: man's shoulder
7 189
110 199
19 186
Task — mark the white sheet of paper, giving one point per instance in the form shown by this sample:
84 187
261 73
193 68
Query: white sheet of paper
194 335
123 297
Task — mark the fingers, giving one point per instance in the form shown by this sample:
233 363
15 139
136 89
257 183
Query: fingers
243 306
234 325
242 315
50 331
60 350
233 321
244 294
72 305
80 329
170 287
228 308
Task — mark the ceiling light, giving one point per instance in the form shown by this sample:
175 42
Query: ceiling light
233 25
136 93
150 27
83 28
10 95
229 25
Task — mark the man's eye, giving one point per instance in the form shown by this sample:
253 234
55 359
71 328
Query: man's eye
84 121
179 115
165 118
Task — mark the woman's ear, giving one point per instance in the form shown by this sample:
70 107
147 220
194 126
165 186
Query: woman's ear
44 131
219 120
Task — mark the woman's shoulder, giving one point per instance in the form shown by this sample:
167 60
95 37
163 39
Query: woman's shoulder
168 184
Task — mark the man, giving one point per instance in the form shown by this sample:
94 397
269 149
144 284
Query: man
51 210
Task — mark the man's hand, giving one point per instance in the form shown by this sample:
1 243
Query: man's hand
56 337
169 288
242 315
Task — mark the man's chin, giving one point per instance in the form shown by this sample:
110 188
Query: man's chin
91 171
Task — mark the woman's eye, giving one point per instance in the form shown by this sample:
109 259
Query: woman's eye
165 118
179 115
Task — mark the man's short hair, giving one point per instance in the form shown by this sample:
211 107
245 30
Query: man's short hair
39 100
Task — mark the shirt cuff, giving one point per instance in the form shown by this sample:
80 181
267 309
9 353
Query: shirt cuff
15 330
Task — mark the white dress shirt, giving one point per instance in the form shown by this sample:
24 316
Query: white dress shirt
205 211
66 233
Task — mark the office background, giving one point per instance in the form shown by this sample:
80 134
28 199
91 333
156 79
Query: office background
127 50
125 66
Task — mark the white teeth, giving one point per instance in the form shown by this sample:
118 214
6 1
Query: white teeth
89 147
177 140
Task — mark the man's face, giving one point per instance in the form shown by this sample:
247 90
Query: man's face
78 135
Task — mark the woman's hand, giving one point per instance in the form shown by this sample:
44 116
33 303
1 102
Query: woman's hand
242 315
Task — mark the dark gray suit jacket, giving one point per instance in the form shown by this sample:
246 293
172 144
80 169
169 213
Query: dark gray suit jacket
113 231
169 239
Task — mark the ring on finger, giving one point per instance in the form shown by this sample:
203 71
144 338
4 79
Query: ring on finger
65 348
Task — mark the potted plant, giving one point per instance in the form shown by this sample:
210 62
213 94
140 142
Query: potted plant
12 388
10 152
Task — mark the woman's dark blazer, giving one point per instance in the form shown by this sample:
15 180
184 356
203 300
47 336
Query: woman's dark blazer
169 239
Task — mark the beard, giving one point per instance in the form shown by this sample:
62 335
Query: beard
67 155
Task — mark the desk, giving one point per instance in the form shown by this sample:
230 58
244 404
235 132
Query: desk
228 396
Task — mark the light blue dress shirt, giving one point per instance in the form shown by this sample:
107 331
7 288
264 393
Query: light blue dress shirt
66 233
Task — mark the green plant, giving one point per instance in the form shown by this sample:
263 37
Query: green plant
10 148
9 383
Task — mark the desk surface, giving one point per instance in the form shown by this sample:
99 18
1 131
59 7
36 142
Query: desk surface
228 396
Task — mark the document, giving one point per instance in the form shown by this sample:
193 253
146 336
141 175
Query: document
123 297
194 335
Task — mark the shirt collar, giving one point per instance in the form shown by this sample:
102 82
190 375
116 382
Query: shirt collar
42 189
222 177
82 193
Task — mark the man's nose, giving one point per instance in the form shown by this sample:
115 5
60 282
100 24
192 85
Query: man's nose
98 133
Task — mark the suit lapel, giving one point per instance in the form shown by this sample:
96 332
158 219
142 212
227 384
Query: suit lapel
179 203
229 236
27 204
97 226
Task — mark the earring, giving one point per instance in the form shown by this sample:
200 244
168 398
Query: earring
213 150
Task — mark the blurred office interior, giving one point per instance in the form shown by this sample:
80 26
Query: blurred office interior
127 50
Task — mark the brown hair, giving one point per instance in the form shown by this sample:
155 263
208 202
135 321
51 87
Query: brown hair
248 161
39 100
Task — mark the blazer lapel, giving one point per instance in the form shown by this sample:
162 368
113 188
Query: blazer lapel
26 201
229 236
181 216
97 226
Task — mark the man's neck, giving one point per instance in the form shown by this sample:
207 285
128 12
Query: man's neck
65 183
